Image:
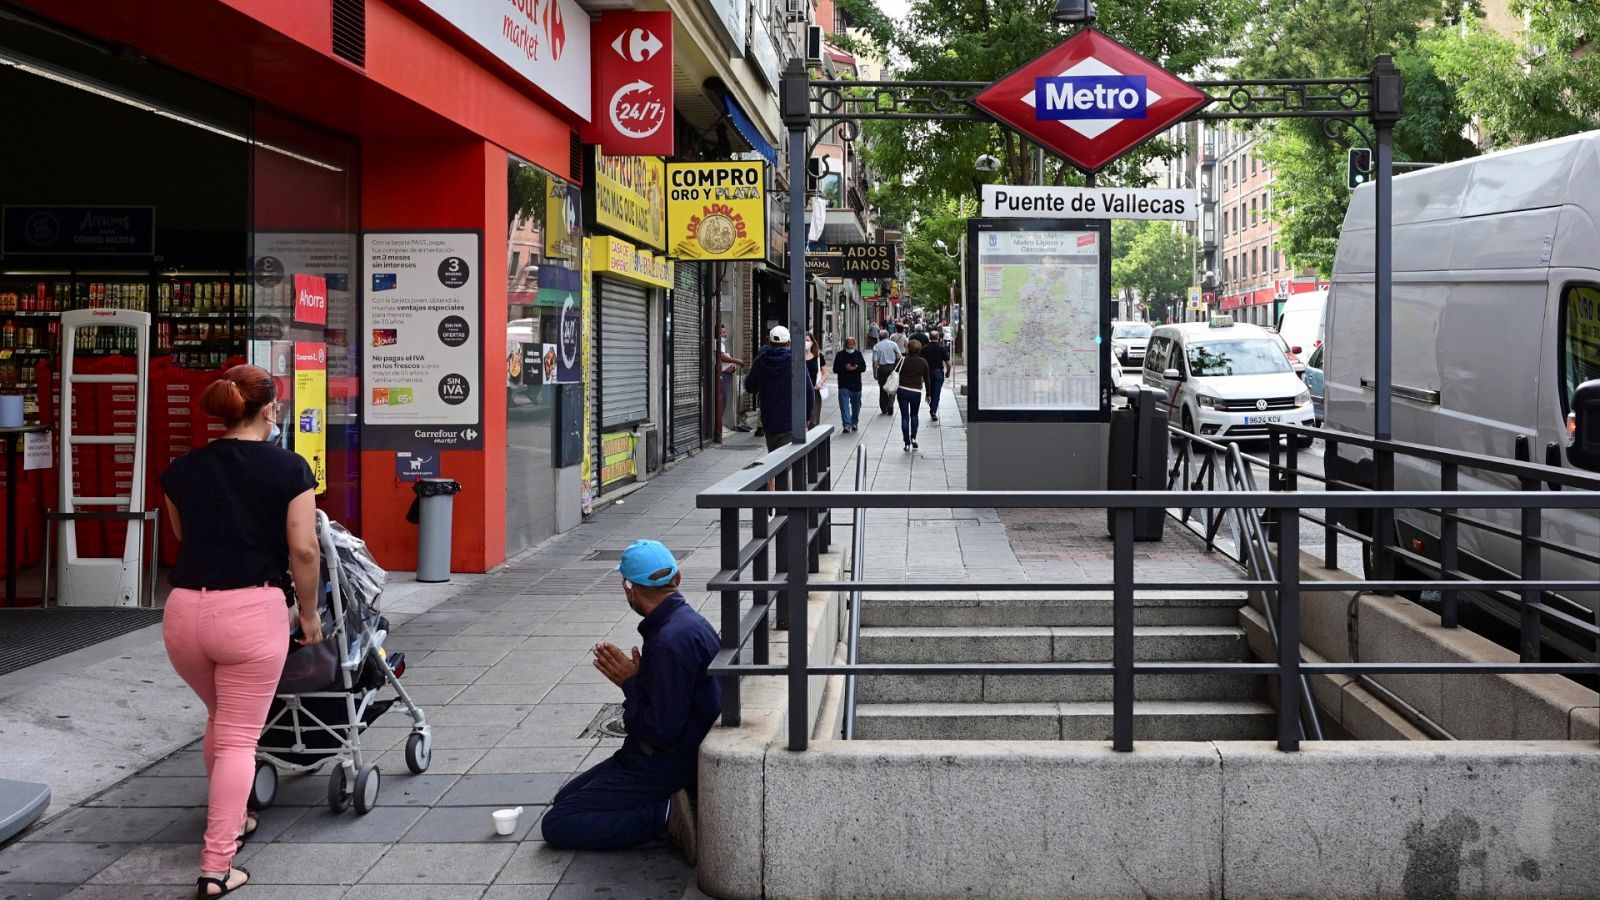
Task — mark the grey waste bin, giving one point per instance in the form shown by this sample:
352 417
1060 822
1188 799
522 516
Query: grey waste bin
1137 458
434 509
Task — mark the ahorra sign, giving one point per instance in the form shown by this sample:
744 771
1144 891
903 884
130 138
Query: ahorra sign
1091 99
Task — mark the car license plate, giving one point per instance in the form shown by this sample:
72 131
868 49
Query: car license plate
1261 420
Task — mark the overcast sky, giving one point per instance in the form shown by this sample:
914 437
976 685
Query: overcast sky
894 9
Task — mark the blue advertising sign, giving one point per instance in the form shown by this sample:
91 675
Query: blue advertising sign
78 230
1077 97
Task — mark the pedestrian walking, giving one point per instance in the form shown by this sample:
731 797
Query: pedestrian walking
937 356
886 356
900 338
817 371
913 378
771 379
245 511
647 789
727 365
850 365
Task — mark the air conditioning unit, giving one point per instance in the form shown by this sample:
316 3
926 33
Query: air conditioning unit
813 44
797 10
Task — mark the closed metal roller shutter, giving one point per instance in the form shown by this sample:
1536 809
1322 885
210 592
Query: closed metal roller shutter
690 350
624 354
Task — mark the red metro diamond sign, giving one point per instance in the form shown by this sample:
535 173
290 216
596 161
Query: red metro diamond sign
1091 99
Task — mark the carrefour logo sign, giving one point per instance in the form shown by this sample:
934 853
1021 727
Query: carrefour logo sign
1067 97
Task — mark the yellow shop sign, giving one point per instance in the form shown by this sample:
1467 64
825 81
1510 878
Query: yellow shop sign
630 197
620 259
717 210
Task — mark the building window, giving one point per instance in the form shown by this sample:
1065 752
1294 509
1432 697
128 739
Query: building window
1252 165
1224 221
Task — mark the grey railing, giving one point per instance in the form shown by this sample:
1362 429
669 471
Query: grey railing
794 519
858 551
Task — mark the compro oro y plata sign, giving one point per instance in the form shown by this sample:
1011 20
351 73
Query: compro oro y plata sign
1004 201
717 210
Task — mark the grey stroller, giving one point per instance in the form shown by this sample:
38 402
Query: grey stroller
329 691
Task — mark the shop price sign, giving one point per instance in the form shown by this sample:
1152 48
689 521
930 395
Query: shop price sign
1090 100
632 54
422 341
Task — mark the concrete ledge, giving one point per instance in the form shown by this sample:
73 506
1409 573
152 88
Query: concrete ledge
1205 819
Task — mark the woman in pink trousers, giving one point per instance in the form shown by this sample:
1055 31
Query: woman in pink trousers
245 510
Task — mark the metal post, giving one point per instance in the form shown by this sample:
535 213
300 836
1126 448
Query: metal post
795 599
1122 631
730 616
1330 534
1449 561
1531 631
1388 92
795 94
760 571
1289 633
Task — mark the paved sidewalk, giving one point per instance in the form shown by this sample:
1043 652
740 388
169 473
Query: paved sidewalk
501 665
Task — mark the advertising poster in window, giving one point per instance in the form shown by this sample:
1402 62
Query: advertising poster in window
311 408
422 346
1040 320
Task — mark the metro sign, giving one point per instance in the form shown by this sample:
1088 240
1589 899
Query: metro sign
1091 99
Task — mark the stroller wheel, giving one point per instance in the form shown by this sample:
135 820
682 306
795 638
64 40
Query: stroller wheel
338 789
418 753
264 788
366 795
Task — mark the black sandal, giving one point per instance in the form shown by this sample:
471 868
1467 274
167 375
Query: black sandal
202 885
252 822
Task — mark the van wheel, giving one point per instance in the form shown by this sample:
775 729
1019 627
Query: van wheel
1402 572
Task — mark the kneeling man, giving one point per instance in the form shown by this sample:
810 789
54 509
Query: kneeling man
646 788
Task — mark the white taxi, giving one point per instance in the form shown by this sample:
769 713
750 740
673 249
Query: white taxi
1225 381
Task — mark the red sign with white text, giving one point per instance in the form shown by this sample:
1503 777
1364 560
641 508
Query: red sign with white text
310 299
1091 99
632 57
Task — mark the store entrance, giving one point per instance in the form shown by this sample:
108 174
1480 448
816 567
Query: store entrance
126 185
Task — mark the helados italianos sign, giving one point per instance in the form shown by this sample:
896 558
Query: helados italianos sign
717 210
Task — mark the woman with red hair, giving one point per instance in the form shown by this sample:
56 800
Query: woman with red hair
245 511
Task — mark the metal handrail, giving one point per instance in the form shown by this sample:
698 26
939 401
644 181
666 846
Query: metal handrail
858 551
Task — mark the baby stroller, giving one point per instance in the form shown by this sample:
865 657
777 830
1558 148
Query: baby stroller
329 692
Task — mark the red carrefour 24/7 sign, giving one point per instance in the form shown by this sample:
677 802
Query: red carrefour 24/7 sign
1091 99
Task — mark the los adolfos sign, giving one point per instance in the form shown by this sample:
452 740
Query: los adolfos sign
1091 99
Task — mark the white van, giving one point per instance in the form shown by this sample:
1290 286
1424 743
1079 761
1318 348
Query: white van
1224 381
1496 317
1300 323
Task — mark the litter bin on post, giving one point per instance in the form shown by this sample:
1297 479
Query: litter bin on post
432 512
1137 451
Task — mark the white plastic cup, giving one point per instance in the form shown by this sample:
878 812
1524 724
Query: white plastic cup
505 820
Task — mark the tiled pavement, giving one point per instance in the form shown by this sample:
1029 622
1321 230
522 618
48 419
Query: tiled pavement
502 669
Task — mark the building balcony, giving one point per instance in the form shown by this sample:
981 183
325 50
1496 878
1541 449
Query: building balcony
845 226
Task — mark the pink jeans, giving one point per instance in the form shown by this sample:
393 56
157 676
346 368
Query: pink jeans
229 646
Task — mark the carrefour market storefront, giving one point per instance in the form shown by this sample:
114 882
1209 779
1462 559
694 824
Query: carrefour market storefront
370 147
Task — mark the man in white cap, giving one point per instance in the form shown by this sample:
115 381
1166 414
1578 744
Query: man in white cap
645 790
771 376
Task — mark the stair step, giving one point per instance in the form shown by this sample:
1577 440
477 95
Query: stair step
1052 688
1076 643
1078 721
1024 609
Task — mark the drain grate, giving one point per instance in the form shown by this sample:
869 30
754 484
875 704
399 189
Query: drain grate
32 636
605 555
607 723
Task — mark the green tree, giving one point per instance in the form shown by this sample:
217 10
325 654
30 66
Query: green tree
982 41
1153 262
1309 192
930 271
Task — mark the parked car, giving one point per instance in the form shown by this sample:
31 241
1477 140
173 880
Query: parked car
1129 340
1314 381
1496 299
1224 380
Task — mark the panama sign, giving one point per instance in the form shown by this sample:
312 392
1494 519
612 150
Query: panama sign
853 261
1090 100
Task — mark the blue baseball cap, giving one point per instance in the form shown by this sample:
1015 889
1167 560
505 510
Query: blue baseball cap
645 558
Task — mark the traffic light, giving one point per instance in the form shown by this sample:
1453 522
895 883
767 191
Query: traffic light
1358 168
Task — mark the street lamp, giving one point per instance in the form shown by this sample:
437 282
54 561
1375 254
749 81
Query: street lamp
961 254
1073 12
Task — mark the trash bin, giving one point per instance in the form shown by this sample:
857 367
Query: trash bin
432 513
1137 451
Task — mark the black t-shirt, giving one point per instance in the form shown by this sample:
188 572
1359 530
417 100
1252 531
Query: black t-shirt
224 547
848 380
937 356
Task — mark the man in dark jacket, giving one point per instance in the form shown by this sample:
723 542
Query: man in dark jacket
772 378
645 790
938 358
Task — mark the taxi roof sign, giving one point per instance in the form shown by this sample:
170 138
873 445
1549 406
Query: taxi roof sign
1091 99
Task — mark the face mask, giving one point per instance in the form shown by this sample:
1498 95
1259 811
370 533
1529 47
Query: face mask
276 435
